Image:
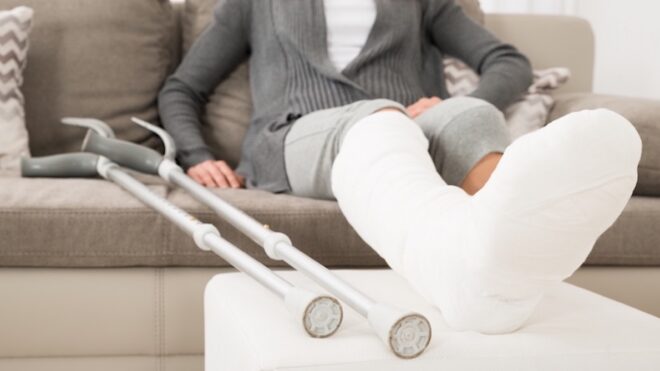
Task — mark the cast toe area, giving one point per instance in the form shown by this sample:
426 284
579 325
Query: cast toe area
606 135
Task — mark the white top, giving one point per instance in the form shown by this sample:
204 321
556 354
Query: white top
349 23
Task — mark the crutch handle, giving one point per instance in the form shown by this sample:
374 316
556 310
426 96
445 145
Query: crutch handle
123 153
69 165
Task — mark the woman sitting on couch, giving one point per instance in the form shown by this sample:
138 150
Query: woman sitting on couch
349 104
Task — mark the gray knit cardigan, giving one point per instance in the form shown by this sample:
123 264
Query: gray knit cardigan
291 74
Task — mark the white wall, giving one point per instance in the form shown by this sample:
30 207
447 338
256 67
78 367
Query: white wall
627 39
627 45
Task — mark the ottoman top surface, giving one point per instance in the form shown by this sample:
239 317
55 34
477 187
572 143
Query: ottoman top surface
249 328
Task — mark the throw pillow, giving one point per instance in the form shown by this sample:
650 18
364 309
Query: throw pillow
95 58
15 26
526 115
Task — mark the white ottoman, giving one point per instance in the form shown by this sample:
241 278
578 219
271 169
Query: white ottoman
248 328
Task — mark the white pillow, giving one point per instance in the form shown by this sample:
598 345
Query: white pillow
526 115
15 26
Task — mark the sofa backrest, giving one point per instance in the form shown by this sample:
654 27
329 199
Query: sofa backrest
95 58
551 41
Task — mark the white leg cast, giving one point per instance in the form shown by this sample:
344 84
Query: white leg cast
382 177
485 260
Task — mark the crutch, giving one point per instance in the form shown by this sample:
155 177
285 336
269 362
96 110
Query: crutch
407 334
320 315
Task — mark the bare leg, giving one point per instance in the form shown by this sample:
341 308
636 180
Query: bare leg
480 173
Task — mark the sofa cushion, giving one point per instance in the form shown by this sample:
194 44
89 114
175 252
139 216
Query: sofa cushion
227 114
644 115
93 223
98 58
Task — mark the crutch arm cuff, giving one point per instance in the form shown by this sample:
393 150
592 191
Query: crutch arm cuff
124 153
69 165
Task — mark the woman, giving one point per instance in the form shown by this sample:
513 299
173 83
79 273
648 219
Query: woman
348 105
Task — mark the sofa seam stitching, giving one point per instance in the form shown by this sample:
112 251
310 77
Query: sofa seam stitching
163 323
155 313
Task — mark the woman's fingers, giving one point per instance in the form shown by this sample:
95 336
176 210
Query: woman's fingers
215 173
413 109
193 174
418 107
422 105
228 173
201 174
207 179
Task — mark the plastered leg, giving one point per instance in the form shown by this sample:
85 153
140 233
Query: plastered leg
560 188
382 177
486 260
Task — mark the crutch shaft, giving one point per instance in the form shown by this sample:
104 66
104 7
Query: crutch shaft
321 315
283 250
242 262
237 218
234 256
320 274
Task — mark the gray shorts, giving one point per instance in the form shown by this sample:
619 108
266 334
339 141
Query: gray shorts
460 131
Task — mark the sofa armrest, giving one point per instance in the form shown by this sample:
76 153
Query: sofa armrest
644 115
551 41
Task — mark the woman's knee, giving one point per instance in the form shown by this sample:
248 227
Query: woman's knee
461 113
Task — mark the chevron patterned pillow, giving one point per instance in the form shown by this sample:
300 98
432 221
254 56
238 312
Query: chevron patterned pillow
15 26
524 116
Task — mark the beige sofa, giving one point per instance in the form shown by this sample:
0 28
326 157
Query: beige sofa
92 279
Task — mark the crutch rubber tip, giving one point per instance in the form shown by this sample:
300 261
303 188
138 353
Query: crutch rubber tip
410 336
407 334
321 315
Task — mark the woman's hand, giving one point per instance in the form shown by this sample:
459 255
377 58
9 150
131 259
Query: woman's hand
421 106
215 174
